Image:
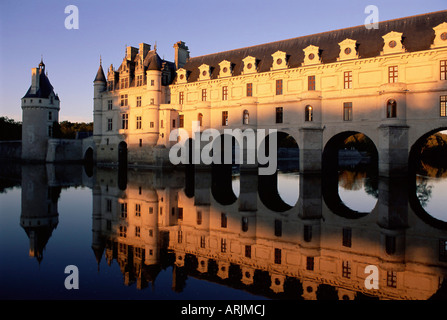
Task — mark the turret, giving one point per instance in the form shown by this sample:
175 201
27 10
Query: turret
99 85
40 110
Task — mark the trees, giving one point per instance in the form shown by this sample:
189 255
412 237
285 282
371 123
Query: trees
10 129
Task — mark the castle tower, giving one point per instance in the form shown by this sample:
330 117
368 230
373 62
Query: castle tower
99 85
40 110
153 74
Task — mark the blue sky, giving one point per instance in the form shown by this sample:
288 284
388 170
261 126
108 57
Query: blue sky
29 29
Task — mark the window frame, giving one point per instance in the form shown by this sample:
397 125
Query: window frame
347 111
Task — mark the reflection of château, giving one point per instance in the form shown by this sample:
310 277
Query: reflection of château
310 250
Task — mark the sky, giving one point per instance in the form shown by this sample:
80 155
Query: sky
31 29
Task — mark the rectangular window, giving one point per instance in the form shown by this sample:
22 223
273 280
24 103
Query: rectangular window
180 213
249 89
310 263
277 256
347 235
152 83
50 116
173 123
124 210
248 251
110 85
347 111
161 124
225 118
443 69
225 93
347 79
124 121
109 105
138 122
223 245
124 83
202 242
141 144
139 80
151 124
346 269
109 205
123 100
180 97
443 106
278 228
137 232
278 87
179 236
199 217
138 210
223 220
307 233
181 119
109 124
279 114
311 83
392 74
123 231
138 101
391 279
50 131
203 94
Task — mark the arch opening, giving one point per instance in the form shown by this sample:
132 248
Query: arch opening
350 174
428 177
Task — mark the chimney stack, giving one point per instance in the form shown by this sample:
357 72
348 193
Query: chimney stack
181 54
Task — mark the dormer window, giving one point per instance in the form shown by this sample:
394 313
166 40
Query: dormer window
139 80
279 60
124 83
392 43
181 75
311 55
110 85
225 69
440 35
204 72
347 50
249 65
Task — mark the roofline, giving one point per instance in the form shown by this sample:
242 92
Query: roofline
316 34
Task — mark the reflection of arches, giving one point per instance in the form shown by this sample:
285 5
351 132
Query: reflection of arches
287 160
330 163
221 174
88 155
414 161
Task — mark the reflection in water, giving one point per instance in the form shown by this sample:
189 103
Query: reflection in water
431 184
356 191
164 232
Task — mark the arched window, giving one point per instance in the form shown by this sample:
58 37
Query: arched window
199 118
391 109
245 117
308 113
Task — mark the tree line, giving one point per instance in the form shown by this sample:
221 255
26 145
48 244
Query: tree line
12 130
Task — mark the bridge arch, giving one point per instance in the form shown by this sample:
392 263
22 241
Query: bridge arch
417 164
287 160
358 151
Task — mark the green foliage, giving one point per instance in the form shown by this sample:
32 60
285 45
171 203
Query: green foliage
10 129
68 130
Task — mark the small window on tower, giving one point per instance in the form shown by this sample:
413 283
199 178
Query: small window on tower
50 116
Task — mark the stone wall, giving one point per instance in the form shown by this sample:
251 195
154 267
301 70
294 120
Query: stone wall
11 150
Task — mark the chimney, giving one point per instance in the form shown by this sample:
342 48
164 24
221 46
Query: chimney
131 52
144 49
35 78
181 54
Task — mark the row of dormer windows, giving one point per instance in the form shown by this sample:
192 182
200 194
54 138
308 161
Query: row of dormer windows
393 77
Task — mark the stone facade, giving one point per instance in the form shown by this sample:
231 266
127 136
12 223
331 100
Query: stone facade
387 83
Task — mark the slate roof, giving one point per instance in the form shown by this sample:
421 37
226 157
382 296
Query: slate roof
45 89
100 76
418 34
